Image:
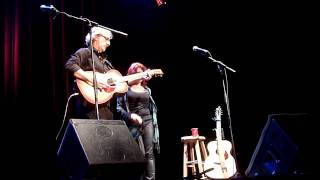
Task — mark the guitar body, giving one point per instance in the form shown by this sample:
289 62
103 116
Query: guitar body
103 95
213 160
112 78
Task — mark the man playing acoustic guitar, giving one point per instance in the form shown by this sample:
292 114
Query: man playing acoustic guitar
80 64
109 80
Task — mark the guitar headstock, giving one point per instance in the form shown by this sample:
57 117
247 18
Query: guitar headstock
157 72
218 114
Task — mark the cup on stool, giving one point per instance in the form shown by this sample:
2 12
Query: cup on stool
194 132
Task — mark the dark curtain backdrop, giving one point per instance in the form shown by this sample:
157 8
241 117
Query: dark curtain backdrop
271 45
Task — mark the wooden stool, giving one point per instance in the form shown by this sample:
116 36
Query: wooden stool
189 160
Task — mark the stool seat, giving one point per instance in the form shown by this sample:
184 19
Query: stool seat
194 154
192 138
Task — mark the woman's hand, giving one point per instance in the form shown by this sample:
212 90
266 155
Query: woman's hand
136 119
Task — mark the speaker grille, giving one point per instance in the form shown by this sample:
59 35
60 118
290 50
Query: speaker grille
88 144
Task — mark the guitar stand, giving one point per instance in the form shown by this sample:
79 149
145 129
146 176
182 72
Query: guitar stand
198 175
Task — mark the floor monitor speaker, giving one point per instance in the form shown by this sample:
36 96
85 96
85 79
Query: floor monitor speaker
93 149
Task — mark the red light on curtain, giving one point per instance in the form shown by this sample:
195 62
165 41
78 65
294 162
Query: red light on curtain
160 2
12 51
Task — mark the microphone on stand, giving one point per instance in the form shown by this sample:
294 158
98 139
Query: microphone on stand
197 49
201 51
50 8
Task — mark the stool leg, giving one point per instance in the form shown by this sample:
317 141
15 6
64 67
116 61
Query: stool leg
203 150
185 160
192 158
198 153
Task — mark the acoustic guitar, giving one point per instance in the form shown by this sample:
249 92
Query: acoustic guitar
219 159
113 78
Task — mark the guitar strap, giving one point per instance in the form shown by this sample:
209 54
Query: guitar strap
153 110
125 98
108 63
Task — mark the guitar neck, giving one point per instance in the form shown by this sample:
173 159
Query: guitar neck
132 77
220 149
218 130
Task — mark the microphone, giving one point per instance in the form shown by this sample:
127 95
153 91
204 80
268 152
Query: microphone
50 8
197 49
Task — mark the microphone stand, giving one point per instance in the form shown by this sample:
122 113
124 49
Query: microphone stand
223 73
90 24
89 21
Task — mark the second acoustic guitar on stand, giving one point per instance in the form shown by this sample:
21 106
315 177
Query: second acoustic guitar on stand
220 160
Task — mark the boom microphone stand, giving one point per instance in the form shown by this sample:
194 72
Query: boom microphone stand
222 69
51 8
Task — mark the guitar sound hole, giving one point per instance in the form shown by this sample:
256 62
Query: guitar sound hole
110 82
225 154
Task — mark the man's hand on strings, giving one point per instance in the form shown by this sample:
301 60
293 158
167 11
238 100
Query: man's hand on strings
106 87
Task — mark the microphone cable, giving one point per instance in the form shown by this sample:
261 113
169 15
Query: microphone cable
65 113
